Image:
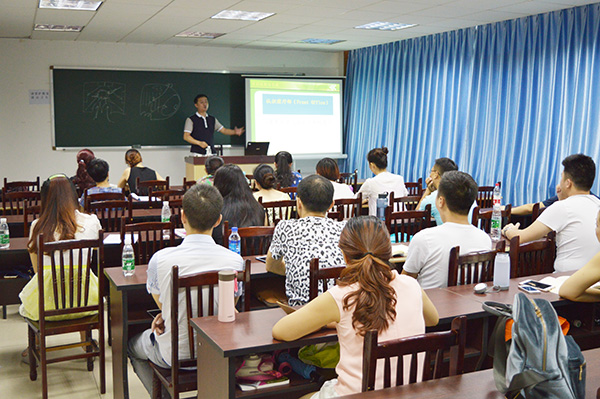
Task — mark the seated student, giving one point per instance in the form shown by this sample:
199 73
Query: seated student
429 250
383 182
98 170
441 166
368 296
285 176
264 176
133 158
197 253
328 168
578 287
571 217
297 241
210 166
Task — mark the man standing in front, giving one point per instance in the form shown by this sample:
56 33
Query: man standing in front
197 253
572 217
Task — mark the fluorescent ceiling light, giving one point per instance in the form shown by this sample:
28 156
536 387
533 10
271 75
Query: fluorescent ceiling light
202 35
385 26
58 28
321 41
242 15
86 5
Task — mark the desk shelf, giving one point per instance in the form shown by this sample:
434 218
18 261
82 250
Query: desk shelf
297 385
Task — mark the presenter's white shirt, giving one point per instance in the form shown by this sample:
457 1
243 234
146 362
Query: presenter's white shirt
429 251
385 182
574 220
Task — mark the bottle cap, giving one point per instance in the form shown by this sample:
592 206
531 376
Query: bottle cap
165 203
234 229
2 220
127 239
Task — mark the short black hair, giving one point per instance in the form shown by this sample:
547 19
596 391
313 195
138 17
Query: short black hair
459 190
443 165
202 205
580 169
213 163
199 96
316 193
98 169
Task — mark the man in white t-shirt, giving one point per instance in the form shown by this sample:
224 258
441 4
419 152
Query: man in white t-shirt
197 253
429 250
572 217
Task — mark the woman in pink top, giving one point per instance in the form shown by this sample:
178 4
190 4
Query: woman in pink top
369 295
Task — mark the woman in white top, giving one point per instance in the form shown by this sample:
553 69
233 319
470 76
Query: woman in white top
368 295
328 168
383 182
264 177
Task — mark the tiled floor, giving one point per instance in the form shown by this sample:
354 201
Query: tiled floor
66 380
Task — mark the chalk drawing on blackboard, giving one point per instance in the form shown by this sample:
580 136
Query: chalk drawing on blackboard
159 101
103 99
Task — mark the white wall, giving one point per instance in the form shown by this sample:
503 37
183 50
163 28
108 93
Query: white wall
25 130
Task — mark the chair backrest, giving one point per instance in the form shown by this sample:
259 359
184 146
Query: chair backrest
151 237
291 191
348 207
110 213
254 240
89 198
485 196
187 184
536 211
69 269
350 179
176 206
30 213
432 345
415 188
471 268
195 288
408 203
15 202
321 276
279 210
483 219
164 195
143 186
251 181
535 257
403 225
10 186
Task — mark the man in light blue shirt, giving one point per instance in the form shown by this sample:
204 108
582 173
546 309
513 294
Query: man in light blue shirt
441 166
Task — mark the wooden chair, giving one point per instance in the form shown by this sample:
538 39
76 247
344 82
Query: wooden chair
350 179
111 213
347 208
89 198
13 203
291 191
408 203
254 240
279 210
143 186
415 188
251 182
321 277
432 344
403 225
176 206
187 184
199 292
532 258
70 273
10 186
485 196
151 237
30 213
165 195
536 211
471 268
483 219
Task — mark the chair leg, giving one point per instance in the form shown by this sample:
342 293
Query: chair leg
32 359
88 348
102 365
156 387
108 323
43 366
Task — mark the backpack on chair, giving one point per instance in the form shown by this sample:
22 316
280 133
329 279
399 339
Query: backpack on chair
533 358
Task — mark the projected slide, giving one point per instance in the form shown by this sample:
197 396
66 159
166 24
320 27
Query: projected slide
295 115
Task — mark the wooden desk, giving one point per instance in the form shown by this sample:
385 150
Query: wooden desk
478 385
194 165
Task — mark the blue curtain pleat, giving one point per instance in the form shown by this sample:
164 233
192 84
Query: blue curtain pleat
507 101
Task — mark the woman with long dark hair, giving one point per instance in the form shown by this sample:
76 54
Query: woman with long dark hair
284 175
81 179
369 295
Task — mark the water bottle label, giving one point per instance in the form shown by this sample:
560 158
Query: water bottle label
495 223
4 239
128 264
235 247
166 219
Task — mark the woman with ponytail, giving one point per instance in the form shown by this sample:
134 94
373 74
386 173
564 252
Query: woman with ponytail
368 295
284 175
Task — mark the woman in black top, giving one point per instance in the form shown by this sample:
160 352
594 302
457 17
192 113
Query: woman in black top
133 158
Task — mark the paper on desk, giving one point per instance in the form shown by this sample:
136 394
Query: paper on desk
115 238
180 233
556 282
140 197
399 250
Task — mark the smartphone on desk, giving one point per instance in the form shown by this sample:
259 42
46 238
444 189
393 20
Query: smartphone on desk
536 284
529 289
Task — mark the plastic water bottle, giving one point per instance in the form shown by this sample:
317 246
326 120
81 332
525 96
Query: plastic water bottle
165 217
208 151
235 241
128 258
502 271
496 228
4 234
382 203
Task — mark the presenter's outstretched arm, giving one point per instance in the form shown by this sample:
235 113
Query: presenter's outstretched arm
236 131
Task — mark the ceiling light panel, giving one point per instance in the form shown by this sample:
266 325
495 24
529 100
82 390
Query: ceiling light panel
385 26
200 35
321 41
242 15
58 28
86 5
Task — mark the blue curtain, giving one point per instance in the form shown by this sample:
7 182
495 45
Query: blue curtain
507 101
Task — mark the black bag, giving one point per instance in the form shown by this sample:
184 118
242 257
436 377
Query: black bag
538 361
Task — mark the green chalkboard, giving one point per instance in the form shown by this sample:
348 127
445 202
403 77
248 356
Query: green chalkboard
105 108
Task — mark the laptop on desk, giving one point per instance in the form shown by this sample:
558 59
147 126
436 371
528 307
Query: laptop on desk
256 148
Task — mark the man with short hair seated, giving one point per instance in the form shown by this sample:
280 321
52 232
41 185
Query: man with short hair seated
429 250
571 217
296 241
97 169
197 253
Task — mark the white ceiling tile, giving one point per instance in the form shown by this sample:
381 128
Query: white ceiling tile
63 17
493 16
446 12
531 8
46 35
395 7
16 21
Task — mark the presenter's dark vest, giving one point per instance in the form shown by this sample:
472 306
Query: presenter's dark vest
203 133
144 174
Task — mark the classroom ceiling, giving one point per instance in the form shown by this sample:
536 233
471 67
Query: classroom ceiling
158 21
